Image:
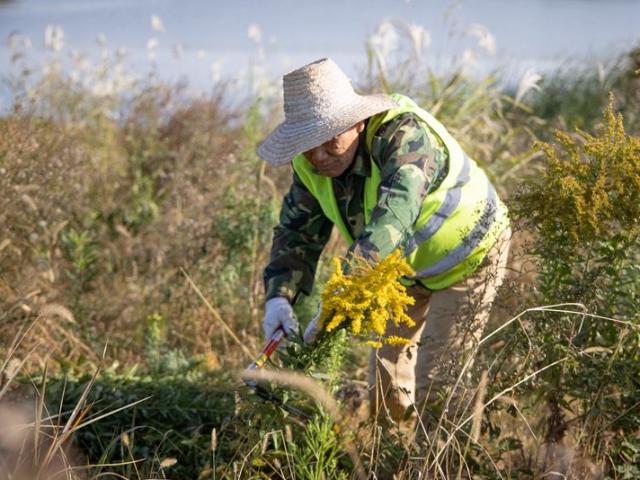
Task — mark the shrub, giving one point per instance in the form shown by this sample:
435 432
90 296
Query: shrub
584 208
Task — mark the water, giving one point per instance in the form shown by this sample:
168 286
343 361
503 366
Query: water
204 40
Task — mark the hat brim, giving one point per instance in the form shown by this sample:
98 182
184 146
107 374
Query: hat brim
288 140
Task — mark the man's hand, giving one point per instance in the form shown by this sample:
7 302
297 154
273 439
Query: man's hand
312 330
278 313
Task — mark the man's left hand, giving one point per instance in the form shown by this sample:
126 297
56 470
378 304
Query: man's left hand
312 330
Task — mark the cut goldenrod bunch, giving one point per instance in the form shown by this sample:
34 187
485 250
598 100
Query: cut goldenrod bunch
367 297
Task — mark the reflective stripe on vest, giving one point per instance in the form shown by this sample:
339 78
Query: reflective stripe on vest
470 242
450 203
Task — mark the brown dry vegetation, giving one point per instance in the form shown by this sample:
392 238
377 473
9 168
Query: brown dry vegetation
143 197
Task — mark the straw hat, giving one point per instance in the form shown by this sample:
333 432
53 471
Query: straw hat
319 103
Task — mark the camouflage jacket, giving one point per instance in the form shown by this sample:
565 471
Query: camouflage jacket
406 143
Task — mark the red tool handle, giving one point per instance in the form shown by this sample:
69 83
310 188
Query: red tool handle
270 347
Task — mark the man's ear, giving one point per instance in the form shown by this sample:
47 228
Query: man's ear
360 127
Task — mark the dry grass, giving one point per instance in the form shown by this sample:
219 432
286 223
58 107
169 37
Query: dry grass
144 198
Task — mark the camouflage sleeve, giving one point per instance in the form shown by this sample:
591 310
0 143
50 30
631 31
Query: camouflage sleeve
298 240
413 161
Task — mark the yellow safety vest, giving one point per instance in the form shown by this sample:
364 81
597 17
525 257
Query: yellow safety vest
458 222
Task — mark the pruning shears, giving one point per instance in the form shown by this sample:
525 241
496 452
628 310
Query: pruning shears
259 362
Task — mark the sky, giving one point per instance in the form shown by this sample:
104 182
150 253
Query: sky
203 40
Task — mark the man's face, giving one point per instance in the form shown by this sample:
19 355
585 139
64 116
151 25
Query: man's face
333 157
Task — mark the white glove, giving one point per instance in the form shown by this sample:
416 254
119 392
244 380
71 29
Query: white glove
311 332
278 313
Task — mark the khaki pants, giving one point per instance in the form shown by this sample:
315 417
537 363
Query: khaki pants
405 381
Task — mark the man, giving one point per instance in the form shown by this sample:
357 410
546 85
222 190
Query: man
388 175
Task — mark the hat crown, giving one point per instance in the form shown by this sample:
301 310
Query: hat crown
319 90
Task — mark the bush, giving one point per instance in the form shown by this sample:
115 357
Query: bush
583 207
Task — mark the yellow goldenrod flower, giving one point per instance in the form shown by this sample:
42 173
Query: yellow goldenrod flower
335 322
395 340
367 298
